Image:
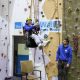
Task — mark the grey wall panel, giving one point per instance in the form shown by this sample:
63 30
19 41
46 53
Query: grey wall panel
4 41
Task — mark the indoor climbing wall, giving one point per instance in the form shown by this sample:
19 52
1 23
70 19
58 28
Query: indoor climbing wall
71 29
4 42
19 11
50 50
50 17
4 39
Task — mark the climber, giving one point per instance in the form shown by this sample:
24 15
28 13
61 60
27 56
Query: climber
31 31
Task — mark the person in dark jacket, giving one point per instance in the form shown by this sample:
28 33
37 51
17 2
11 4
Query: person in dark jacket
64 59
31 31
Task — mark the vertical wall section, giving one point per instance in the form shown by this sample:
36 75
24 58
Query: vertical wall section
4 39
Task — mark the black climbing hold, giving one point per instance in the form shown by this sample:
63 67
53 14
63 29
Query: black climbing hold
25 9
49 54
59 3
41 12
6 71
2 54
2 5
29 6
0 70
39 58
2 20
5 25
76 19
77 10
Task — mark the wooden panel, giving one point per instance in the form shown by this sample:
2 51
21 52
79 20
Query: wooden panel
53 9
50 50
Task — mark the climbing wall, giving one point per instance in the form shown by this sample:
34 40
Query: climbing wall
50 50
4 39
4 42
50 12
71 29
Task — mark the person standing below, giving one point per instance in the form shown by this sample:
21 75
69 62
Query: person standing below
64 59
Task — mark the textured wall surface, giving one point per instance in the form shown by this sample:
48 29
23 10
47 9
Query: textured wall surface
4 38
4 43
50 10
71 28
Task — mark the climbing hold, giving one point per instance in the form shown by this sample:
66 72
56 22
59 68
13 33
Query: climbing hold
51 37
0 70
9 2
69 10
6 15
51 29
5 25
25 9
56 17
2 5
41 12
76 26
39 58
49 54
20 32
5 38
49 51
2 55
78 72
29 6
76 19
42 15
6 71
73 34
59 3
77 10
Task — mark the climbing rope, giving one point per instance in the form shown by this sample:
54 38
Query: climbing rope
36 14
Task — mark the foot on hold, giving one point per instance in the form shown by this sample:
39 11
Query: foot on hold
45 43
